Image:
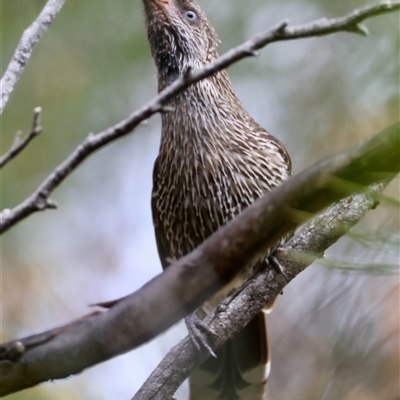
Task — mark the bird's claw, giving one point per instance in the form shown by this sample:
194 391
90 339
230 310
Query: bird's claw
199 332
274 262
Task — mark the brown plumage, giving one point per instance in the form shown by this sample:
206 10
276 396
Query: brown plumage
214 161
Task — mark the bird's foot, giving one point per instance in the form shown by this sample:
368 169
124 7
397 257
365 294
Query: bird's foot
199 333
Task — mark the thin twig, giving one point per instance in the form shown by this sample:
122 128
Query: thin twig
29 39
20 143
39 200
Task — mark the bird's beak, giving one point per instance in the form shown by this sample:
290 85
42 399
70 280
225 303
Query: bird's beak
159 3
163 6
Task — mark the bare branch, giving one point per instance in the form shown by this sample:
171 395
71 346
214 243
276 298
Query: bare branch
29 39
39 200
19 143
189 282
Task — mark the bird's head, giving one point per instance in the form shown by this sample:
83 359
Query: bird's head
180 36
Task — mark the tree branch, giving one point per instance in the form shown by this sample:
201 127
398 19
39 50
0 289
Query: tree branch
305 247
39 200
185 285
29 39
19 143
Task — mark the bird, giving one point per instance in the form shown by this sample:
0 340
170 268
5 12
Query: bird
214 160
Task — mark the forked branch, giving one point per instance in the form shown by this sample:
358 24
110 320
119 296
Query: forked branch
19 142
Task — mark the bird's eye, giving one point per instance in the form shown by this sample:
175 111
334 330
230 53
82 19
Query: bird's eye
191 15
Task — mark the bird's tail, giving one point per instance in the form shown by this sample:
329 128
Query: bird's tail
240 370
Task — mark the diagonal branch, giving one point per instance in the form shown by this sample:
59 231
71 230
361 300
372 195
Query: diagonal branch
39 200
29 39
305 247
20 143
185 285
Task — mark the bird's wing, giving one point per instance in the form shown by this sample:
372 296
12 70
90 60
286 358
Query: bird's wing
161 240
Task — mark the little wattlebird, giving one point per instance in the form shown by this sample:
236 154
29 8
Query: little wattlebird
214 161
